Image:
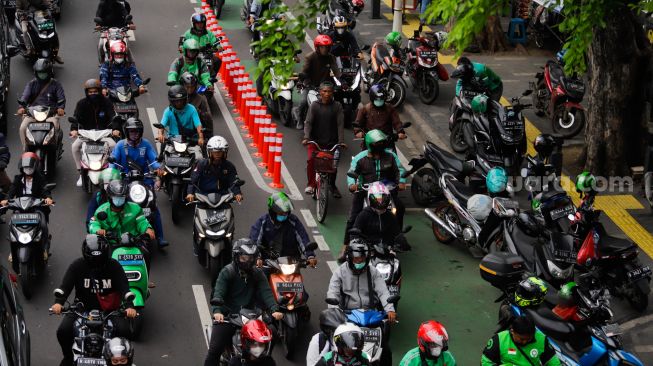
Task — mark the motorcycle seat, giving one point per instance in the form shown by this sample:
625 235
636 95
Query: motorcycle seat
613 245
575 340
524 244
460 190
555 72
446 160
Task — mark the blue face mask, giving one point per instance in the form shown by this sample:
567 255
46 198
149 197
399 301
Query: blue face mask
359 266
379 102
282 218
118 201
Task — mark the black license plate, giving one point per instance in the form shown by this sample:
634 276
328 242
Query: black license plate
611 330
639 273
10 3
94 148
562 212
566 256
393 290
212 220
84 361
40 126
372 335
178 161
296 287
130 257
124 107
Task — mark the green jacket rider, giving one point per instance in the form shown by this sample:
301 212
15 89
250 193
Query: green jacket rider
122 216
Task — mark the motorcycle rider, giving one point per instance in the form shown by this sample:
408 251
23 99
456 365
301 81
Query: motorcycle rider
322 342
199 101
349 340
23 9
215 174
432 347
5 156
189 61
118 71
522 344
181 119
357 285
42 90
100 283
256 340
279 230
344 41
113 14
101 196
473 70
93 112
205 38
317 68
377 115
142 153
374 164
239 284
258 7
118 351
320 127
30 182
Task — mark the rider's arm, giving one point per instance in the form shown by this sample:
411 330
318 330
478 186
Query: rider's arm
256 231
61 96
492 77
205 74
381 289
308 124
255 8
400 168
195 176
220 289
119 280
45 192
151 156
74 126
549 357
361 119
104 75
354 167
117 152
165 121
27 92
394 118
492 352
302 236
136 77
231 177
13 188
173 73
335 285
95 224
264 291
334 67
459 86
141 221
68 282
353 44
313 353
195 117
5 155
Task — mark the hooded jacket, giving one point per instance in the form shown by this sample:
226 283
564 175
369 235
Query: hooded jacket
353 290
129 220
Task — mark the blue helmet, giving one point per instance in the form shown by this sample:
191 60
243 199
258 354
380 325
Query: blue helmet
496 180
560 56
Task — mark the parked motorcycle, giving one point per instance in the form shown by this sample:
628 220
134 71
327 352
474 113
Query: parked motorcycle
348 87
108 37
30 243
350 9
124 100
422 65
42 32
387 70
42 137
544 18
461 112
559 96
213 228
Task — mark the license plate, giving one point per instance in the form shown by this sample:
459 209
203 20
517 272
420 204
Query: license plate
178 161
296 287
94 148
639 273
212 220
45 26
470 94
562 212
130 257
10 3
25 218
124 107
428 54
84 361
611 330
566 256
349 70
372 335
147 211
40 126
393 290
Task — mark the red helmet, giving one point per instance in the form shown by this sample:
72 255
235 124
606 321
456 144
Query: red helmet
322 40
29 162
432 339
358 3
256 339
118 47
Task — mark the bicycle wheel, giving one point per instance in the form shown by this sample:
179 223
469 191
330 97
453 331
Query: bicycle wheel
322 193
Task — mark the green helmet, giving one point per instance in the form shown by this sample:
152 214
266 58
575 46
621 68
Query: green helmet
566 292
393 39
279 204
109 174
530 292
190 45
374 137
479 103
585 182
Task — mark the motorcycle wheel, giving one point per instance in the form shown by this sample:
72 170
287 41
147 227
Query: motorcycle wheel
568 124
396 93
442 235
26 280
175 196
52 164
429 89
285 111
322 201
215 265
457 138
289 341
136 326
636 297
424 187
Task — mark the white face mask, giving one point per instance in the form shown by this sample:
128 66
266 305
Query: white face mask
119 60
435 351
340 30
257 351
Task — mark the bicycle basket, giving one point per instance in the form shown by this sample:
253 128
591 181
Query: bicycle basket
323 162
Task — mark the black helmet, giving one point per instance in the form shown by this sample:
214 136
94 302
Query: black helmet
133 123
464 71
358 247
245 247
96 251
177 93
544 144
119 349
330 319
187 79
117 191
43 69
377 92
198 18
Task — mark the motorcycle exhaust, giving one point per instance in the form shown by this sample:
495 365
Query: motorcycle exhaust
433 217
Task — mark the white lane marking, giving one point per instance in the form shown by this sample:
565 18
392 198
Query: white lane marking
192 1
364 33
414 209
510 81
151 115
402 158
522 73
308 217
203 310
635 322
643 348
131 35
333 266
321 243
295 193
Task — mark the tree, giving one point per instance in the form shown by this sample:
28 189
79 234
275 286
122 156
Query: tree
605 38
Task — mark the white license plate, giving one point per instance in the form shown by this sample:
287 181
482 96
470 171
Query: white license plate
372 335
611 330
84 361
562 212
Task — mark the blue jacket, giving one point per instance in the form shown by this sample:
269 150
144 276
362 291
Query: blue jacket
53 96
264 230
114 75
207 178
143 154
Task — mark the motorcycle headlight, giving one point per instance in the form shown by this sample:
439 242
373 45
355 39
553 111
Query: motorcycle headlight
288 269
385 269
557 272
215 233
95 165
24 238
180 147
125 97
137 193
40 116
49 136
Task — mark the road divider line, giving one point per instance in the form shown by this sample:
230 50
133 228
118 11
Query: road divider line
203 311
151 115
636 322
333 266
308 217
321 243
295 193
131 35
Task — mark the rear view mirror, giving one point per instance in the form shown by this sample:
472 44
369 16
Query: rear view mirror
365 47
50 186
12 50
111 159
468 166
147 81
97 20
58 293
158 125
129 18
407 124
72 119
353 175
407 229
129 296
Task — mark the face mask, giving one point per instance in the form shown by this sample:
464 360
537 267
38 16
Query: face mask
435 351
340 30
42 75
256 351
379 211
359 266
118 201
282 218
119 60
93 97
379 103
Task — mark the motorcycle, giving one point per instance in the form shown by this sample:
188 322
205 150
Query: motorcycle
287 284
206 53
544 18
108 37
422 65
348 87
387 71
559 96
461 112
312 97
95 153
123 99
42 137
384 258
29 242
41 31
350 9
213 228
279 97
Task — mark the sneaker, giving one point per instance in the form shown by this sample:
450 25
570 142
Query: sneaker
163 243
309 190
336 192
151 284
58 59
79 181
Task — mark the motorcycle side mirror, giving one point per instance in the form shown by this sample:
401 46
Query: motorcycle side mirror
12 50
311 246
129 296
129 17
159 126
394 299
217 302
58 293
102 216
50 186
72 119
147 81
97 20
524 172
21 103
111 159
239 182
332 301
355 232
407 124
407 229
298 52
527 92
171 83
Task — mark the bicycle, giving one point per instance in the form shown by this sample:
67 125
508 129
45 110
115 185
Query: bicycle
325 162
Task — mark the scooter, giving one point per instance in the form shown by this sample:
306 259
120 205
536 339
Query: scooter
41 31
387 70
422 65
124 100
312 97
43 138
279 97
559 97
348 87
95 153
384 258
213 228
30 243
461 112
350 9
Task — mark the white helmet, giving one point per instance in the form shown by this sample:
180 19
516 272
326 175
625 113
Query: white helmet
217 143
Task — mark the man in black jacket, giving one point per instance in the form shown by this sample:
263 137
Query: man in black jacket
93 112
100 284
113 14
